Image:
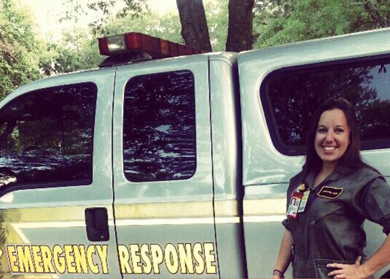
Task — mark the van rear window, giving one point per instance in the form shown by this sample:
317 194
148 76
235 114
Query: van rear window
159 139
290 97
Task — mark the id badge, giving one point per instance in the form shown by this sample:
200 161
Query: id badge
293 207
305 197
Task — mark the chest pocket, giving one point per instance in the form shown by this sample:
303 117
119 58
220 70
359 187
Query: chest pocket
331 227
323 208
316 219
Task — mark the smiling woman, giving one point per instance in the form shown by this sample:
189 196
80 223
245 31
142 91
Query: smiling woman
335 133
332 137
329 201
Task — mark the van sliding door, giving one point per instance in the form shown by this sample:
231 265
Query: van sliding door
162 170
56 212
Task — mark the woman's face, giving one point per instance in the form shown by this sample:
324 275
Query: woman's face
332 136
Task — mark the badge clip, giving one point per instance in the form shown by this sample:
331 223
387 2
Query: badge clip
298 201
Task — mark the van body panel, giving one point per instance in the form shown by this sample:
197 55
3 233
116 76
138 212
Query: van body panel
172 218
225 119
262 163
52 219
266 171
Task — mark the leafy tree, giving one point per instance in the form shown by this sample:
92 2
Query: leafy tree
191 15
79 50
19 49
167 28
103 10
375 12
285 21
275 22
76 51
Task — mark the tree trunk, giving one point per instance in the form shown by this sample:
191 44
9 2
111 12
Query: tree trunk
193 24
240 35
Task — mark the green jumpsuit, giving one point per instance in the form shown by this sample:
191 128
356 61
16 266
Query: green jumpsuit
331 227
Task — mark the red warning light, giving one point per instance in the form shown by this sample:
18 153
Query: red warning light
138 43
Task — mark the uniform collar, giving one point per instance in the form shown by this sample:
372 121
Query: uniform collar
338 173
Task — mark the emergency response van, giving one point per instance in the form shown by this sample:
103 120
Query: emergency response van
175 167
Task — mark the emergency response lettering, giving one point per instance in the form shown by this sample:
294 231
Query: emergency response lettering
183 258
58 259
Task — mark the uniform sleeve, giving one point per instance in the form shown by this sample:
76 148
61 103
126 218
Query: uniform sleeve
376 202
287 224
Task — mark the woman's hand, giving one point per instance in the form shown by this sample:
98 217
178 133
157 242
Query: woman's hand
347 270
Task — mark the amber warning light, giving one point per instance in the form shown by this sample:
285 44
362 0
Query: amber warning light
141 43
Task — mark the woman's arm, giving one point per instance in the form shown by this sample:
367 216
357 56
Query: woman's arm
284 256
380 259
374 201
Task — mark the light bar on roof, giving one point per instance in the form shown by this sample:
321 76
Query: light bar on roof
141 43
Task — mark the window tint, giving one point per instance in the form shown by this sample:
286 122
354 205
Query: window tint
159 127
46 137
292 95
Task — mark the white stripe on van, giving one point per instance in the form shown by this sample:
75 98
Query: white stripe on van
262 219
177 221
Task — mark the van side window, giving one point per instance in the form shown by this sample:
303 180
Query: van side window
46 137
159 140
290 97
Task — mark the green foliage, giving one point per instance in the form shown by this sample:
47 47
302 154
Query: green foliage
24 58
167 28
286 21
19 49
77 50
102 11
140 19
217 20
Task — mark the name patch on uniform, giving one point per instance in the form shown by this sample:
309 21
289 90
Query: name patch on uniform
330 192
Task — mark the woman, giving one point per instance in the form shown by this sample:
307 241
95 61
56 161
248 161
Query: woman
328 201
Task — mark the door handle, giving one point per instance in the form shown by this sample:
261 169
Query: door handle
96 220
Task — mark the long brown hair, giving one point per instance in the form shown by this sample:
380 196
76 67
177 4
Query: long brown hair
351 158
